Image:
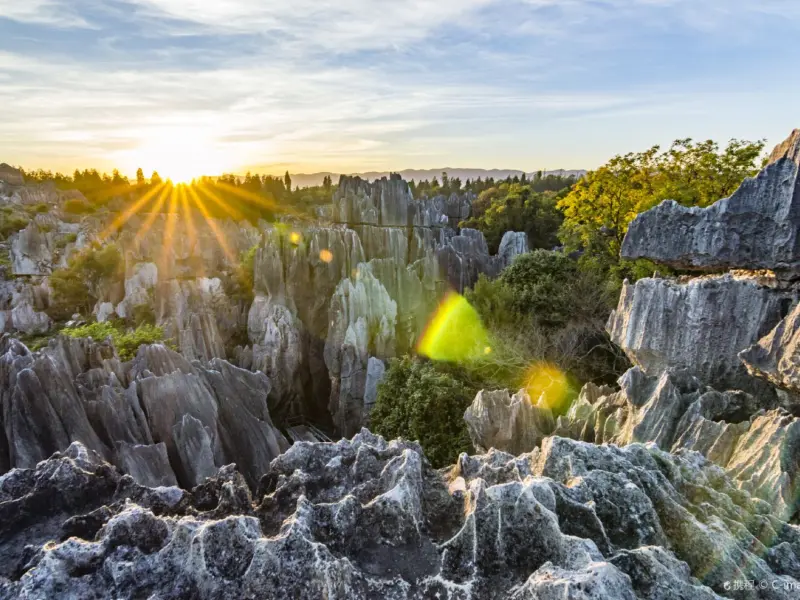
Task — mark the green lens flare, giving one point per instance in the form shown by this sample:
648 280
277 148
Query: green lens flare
454 333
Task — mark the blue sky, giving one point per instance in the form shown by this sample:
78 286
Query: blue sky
355 85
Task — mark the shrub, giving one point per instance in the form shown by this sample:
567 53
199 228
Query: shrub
77 287
544 308
126 342
10 224
240 285
40 208
78 206
419 401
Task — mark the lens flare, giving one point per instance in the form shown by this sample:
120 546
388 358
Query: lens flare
548 386
295 238
325 255
454 333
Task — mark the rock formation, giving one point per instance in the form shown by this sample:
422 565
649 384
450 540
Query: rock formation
364 518
756 228
157 417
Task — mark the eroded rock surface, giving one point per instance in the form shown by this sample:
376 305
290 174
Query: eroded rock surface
364 518
157 417
701 325
756 228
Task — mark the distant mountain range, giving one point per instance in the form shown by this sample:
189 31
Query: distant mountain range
311 179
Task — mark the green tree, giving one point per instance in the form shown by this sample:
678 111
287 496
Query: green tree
140 180
287 182
599 207
78 287
419 402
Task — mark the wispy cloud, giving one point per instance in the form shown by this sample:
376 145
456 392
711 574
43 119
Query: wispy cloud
360 84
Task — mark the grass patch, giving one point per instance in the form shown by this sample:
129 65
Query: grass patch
126 341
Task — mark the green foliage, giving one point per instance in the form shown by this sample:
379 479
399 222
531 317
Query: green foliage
40 208
11 224
240 285
546 308
77 206
517 207
599 207
143 314
77 287
126 342
418 401
70 238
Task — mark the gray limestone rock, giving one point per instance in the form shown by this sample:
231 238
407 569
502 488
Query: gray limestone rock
512 245
148 465
756 228
701 325
514 424
364 518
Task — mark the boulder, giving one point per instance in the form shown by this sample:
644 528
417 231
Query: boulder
756 228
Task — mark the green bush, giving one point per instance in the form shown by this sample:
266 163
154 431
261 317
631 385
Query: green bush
240 285
77 287
418 401
40 208
77 206
126 342
545 308
11 223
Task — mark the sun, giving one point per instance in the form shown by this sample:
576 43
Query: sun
177 153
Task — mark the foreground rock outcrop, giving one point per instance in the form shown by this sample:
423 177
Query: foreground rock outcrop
364 518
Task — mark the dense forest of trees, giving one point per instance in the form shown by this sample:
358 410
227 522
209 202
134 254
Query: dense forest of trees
250 197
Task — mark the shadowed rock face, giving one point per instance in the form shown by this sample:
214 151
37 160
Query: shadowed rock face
756 228
157 417
364 518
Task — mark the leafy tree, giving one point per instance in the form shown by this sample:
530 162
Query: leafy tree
599 208
287 181
77 287
516 207
140 180
419 402
155 179
240 285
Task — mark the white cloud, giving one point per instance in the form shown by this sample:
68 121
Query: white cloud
58 13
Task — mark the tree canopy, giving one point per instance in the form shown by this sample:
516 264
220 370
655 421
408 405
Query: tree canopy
599 207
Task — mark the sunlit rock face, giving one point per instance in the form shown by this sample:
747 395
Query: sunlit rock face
10 175
701 325
756 228
756 443
78 390
364 287
364 518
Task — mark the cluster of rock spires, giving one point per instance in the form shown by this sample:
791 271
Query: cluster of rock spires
333 300
683 483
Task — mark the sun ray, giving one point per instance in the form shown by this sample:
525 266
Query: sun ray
261 201
154 214
189 217
123 218
172 216
235 213
213 226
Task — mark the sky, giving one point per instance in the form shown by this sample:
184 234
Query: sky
211 86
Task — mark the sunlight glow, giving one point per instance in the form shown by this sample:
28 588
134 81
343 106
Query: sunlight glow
547 386
177 153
